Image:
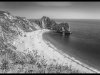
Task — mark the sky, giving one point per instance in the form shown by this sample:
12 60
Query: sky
59 10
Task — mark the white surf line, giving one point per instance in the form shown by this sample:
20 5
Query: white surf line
71 58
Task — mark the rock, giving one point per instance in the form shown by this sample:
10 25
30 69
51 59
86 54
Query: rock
27 25
65 27
48 23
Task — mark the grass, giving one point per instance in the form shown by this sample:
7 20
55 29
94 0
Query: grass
17 62
13 61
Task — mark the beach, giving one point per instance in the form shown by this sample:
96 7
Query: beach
34 41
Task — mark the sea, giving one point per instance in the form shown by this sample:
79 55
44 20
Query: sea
84 42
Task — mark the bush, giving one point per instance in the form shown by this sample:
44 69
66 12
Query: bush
31 59
4 65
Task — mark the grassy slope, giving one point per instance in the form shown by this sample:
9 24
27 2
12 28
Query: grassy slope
16 60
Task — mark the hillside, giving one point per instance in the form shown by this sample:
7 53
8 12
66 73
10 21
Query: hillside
23 50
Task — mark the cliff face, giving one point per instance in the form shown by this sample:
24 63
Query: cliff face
52 25
28 25
13 26
47 23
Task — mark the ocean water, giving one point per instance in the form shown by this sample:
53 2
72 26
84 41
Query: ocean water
84 42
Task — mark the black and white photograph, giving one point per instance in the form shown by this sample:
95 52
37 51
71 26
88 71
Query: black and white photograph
49 37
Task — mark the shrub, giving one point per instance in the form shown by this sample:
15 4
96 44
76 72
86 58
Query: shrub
4 65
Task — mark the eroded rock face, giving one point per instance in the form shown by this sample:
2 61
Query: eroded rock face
48 23
64 27
29 25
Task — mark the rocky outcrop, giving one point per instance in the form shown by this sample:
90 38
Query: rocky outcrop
48 23
36 22
28 25
13 26
64 28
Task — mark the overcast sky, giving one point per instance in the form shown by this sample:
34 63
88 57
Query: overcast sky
66 10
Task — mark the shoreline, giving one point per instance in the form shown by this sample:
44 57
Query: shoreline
34 41
71 58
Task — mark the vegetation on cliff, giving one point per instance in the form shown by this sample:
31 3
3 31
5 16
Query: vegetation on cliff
14 61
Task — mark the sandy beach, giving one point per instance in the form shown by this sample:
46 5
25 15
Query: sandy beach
35 41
